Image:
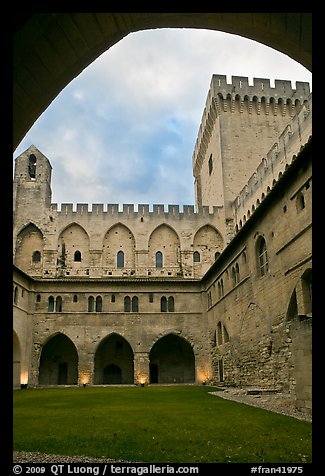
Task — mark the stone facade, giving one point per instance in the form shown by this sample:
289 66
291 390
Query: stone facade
219 292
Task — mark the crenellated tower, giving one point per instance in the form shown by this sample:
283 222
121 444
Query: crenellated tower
240 124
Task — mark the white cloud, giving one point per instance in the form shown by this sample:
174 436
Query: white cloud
124 130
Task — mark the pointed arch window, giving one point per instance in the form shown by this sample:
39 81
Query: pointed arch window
127 304
263 263
167 305
120 259
163 304
300 201
99 304
16 294
58 304
50 305
91 304
171 304
159 259
135 304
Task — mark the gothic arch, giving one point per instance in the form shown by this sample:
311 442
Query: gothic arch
74 40
114 361
254 325
118 238
172 360
207 242
164 239
29 240
73 238
58 363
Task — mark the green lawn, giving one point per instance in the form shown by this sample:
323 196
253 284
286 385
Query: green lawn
175 424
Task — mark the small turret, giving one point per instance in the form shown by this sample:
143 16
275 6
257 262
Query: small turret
32 179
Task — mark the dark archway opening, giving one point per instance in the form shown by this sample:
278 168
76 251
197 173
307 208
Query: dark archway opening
172 361
112 374
59 362
114 362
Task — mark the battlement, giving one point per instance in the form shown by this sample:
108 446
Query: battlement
239 97
132 211
261 88
273 165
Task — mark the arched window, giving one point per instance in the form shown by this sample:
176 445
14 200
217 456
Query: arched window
219 333
262 257
127 304
163 304
32 166
171 304
300 201
113 298
16 294
233 276
77 256
58 304
210 165
135 304
220 288
216 255
91 304
307 291
75 298
196 257
237 273
159 259
120 259
36 258
50 305
99 304
38 298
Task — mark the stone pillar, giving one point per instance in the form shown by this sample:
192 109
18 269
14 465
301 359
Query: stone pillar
86 369
141 368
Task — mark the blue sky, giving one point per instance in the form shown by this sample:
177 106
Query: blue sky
124 130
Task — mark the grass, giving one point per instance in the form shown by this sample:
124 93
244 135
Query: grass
167 424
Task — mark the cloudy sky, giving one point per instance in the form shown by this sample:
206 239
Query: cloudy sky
124 130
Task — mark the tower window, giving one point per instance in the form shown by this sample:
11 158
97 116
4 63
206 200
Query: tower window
32 166
262 257
300 202
210 165
16 295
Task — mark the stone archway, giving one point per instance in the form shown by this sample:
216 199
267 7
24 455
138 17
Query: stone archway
58 362
114 361
51 49
172 361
